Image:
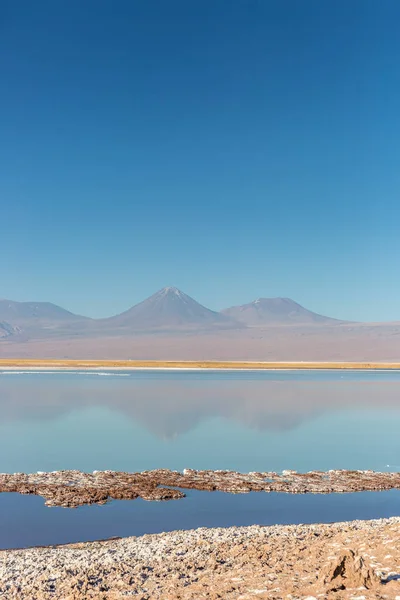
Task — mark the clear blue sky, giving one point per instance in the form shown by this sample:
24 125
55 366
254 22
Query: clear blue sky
232 148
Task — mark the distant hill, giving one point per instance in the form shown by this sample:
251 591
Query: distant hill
30 312
34 320
279 311
169 308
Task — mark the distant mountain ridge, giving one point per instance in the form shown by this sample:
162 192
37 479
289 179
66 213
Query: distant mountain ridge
169 309
170 325
267 311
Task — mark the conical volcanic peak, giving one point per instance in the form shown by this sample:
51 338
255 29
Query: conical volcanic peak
170 308
270 311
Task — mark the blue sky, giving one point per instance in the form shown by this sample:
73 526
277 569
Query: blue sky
232 148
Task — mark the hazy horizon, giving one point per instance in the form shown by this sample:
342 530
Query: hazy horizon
128 306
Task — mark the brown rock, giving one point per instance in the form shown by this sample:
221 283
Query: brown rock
348 572
75 488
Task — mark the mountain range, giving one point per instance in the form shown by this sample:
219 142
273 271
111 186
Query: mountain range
169 309
170 325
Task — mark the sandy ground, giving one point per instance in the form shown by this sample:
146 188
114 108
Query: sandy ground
352 342
357 561
40 364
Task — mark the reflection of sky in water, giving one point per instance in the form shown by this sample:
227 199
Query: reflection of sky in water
26 521
245 421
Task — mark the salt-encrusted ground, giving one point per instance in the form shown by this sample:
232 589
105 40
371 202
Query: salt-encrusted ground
357 560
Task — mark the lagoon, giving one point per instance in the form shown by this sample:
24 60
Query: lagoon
239 420
137 420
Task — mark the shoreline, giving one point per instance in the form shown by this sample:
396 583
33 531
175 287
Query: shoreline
132 365
349 560
73 488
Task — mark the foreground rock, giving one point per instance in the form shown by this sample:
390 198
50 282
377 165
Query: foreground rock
74 488
358 561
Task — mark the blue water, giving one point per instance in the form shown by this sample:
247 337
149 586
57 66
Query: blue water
139 420
269 420
26 521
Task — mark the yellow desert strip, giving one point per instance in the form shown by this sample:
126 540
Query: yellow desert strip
160 364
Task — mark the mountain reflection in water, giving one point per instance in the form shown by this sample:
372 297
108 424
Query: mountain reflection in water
170 407
246 421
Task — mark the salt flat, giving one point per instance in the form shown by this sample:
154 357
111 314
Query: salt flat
342 561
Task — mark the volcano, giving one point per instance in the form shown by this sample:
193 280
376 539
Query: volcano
270 311
170 308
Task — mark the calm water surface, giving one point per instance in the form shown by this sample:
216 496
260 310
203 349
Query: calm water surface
137 420
26 521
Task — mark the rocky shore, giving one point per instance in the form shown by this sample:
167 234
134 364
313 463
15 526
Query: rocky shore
357 561
75 488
